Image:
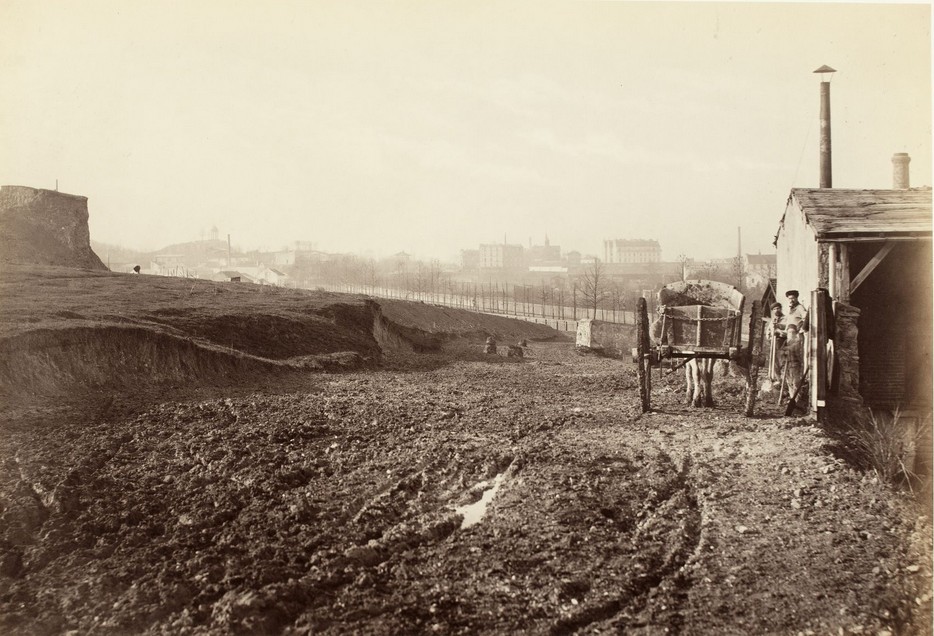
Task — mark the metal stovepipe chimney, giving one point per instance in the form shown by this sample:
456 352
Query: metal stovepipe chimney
826 170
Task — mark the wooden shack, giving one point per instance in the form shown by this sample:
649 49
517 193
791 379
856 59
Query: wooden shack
861 260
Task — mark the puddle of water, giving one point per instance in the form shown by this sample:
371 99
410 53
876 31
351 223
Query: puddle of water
474 512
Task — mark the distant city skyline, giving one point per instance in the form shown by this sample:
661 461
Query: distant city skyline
565 253
434 127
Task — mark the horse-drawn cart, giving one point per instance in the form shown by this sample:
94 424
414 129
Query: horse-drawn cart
697 321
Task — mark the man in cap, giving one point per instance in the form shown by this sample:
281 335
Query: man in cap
797 313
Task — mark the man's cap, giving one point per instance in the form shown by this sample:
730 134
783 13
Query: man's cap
775 305
792 326
792 292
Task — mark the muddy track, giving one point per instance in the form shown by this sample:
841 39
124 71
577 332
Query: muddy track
339 510
675 500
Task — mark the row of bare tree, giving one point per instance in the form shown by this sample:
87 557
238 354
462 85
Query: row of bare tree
585 295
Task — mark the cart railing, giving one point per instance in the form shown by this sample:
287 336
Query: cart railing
698 327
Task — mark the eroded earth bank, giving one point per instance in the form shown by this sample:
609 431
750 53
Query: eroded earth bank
337 505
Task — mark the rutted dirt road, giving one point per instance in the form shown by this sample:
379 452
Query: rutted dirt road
332 507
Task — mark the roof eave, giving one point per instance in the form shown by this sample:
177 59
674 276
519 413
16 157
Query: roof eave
845 237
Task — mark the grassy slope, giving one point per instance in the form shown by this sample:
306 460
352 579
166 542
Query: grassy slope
268 322
62 328
459 322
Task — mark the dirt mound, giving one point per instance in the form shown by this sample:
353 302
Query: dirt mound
45 227
63 330
51 361
119 358
447 323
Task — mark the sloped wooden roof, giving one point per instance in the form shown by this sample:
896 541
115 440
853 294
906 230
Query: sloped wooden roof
837 213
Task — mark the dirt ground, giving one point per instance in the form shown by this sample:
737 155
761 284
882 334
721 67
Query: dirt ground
332 504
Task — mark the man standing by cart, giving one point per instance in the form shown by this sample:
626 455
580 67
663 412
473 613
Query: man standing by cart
797 345
797 313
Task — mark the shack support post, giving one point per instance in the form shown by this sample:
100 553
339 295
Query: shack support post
817 336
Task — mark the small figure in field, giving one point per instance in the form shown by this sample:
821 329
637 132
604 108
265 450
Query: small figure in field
490 346
136 268
793 358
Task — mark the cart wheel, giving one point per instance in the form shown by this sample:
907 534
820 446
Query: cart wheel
755 350
644 368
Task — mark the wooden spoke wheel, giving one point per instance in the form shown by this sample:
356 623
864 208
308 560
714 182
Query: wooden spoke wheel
752 357
643 349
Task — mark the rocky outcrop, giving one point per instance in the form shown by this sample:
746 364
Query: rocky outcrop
45 227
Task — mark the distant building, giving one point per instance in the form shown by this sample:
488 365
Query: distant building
759 268
761 264
262 274
573 258
501 256
231 276
632 251
547 253
284 258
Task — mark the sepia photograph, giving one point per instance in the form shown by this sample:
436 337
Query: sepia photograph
466 317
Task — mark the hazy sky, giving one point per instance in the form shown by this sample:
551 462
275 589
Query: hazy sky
435 126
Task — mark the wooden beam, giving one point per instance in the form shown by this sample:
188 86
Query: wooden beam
871 265
832 269
852 237
844 290
700 323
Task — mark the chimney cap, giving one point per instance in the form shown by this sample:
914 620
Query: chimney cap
826 69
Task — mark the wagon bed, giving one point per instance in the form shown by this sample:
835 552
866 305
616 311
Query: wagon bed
696 319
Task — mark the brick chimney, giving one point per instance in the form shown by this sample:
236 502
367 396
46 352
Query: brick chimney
900 161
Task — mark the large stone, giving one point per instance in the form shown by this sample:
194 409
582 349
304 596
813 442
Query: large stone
45 227
608 338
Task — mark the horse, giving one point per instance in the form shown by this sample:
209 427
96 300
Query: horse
698 375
